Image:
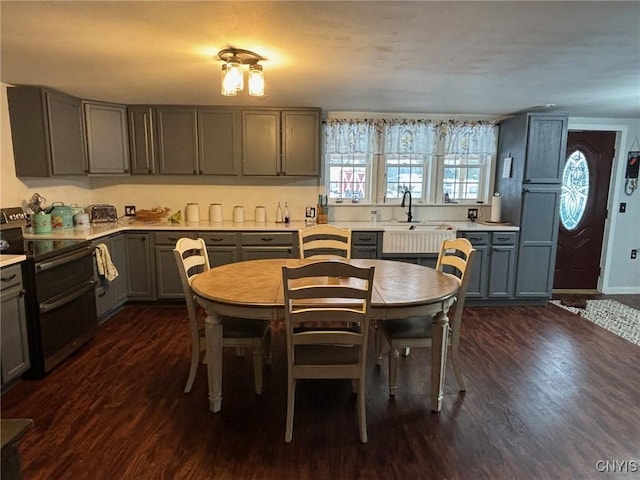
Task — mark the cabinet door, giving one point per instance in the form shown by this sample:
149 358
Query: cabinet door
258 253
119 259
168 281
502 271
13 334
222 255
140 267
107 138
538 238
142 136
219 141
66 134
177 141
478 279
261 142
546 148
301 143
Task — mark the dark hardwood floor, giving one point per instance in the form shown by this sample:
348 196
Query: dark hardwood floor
550 395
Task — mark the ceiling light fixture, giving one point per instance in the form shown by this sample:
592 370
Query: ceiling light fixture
232 80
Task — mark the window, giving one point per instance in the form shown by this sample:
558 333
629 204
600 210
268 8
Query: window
575 190
349 149
427 158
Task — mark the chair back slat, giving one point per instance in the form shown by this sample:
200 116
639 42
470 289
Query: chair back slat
324 242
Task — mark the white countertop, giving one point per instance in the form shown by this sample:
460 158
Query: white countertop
7 260
100 230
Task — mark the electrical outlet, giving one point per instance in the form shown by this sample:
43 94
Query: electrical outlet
623 207
130 211
472 214
634 254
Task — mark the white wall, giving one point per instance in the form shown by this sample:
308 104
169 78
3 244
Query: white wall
620 273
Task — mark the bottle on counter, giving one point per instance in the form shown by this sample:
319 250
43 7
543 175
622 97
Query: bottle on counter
279 214
286 216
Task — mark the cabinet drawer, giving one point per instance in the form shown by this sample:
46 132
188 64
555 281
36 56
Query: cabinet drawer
213 239
364 238
170 238
267 238
477 238
11 276
503 238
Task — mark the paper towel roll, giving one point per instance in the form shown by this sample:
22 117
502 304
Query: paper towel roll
215 212
496 207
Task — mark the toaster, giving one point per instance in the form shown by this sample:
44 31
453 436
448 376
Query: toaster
102 213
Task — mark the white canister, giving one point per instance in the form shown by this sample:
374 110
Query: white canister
261 214
496 208
238 214
81 221
215 213
192 212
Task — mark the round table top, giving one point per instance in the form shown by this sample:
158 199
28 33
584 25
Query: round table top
258 283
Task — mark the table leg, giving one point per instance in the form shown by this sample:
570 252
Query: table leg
213 332
439 342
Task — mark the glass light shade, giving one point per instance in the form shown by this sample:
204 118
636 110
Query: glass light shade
256 80
225 87
234 79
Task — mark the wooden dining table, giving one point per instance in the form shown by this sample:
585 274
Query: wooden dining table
253 289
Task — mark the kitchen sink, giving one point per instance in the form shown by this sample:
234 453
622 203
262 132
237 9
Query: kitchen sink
415 238
416 227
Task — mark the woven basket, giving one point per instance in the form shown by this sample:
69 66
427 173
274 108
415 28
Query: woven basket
152 215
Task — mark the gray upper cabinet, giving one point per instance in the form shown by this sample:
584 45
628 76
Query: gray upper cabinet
47 129
142 135
281 142
177 140
107 138
219 141
301 143
261 142
547 137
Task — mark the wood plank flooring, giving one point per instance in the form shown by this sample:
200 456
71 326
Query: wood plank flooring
549 396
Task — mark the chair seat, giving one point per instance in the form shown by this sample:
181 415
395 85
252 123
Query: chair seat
407 328
326 355
243 328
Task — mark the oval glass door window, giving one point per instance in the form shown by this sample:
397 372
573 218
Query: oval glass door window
575 190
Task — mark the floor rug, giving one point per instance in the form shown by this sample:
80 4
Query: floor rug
613 316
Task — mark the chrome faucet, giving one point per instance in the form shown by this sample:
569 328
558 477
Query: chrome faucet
409 215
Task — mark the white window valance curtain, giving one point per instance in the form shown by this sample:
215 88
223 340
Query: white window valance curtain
415 138
479 138
349 136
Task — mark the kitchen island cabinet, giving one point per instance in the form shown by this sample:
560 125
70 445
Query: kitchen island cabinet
48 134
14 341
107 138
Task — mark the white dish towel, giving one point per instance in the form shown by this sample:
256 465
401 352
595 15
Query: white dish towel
106 268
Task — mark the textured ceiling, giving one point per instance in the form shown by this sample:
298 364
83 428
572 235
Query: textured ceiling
481 57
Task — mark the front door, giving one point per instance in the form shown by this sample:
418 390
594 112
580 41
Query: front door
583 209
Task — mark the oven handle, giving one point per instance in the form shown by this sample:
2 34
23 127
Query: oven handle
58 261
59 302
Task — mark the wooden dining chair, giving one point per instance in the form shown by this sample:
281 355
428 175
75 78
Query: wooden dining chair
255 335
324 241
335 296
456 257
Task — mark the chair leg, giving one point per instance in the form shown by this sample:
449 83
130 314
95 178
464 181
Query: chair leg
195 360
291 396
393 371
378 344
455 360
257 369
362 410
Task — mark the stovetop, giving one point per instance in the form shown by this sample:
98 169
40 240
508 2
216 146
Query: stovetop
14 243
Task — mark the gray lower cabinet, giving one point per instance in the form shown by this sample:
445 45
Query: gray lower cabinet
107 138
365 244
260 245
48 133
222 247
140 266
168 283
493 269
111 295
142 138
13 325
